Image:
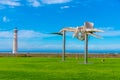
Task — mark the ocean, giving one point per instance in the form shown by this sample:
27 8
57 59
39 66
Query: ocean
67 51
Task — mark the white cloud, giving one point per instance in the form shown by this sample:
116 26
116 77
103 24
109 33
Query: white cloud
64 7
105 47
25 37
23 34
55 1
77 47
31 34
111 33
106 28
38 3
10 3
34 3
5 19
6 34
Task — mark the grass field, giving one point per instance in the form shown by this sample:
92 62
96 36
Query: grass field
35 68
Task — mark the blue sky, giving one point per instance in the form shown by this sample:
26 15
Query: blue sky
35 19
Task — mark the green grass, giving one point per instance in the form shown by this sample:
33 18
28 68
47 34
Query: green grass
31 68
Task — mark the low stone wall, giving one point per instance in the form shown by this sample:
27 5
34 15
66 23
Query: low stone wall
59 55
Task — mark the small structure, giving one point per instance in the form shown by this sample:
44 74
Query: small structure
15 41
82 33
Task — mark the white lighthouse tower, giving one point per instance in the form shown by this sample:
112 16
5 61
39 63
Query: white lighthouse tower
15 42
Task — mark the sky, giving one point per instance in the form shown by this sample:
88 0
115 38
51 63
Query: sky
36 19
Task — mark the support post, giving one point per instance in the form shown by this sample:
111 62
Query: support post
64 45
86 49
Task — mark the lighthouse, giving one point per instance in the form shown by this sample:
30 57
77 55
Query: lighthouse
15 42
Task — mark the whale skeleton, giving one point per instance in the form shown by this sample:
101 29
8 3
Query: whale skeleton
81 33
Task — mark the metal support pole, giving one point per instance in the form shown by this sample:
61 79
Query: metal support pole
86 49
64 45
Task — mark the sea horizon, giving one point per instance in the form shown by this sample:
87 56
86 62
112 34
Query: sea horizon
59 51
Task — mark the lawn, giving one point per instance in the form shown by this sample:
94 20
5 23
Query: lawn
36 68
